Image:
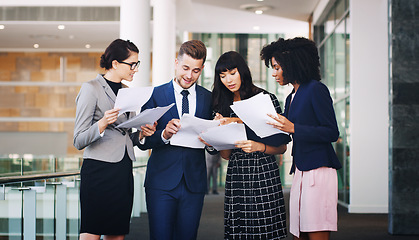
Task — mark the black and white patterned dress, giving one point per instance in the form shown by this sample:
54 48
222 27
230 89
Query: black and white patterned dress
254 204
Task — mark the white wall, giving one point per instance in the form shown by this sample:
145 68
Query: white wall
369 103
211 19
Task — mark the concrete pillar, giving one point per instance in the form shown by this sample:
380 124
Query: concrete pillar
164 40
404 112
135 26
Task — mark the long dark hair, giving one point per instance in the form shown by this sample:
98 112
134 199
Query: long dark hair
118 50
298 58
222 97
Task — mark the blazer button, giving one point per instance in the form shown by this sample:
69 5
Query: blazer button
123 133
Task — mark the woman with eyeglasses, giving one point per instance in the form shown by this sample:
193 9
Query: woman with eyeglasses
107 187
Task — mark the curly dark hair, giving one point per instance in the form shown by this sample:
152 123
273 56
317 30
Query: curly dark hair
222 97
118 50
298 58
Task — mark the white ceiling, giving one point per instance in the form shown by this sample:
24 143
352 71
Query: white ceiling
284 16
292 9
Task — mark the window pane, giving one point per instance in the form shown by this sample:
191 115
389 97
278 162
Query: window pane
329 72
340 67
342 149
340 9
254 62
228 43
347 22
334 60
329 24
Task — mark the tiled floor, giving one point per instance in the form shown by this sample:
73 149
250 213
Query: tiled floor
350 226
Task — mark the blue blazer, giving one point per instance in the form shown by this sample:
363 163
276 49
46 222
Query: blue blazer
167 164
315 127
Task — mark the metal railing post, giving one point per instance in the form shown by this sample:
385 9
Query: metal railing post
136 208
61 212
3 192
29 213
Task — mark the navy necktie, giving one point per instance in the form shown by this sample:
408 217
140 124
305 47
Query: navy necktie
185 102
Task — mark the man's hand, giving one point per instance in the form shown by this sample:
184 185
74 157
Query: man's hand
172 127
148 130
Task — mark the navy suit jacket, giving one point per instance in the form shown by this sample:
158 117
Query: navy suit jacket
167 164
315 127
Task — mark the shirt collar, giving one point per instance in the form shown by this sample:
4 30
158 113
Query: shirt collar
178 88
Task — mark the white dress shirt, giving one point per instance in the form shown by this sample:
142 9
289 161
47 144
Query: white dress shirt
178 98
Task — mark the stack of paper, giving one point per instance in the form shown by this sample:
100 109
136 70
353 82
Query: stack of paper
254 112
132 99
224 137
190 128
148 116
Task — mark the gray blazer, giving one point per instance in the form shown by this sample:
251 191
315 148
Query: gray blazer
96 97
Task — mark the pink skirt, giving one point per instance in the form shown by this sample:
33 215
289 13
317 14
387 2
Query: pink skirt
313 201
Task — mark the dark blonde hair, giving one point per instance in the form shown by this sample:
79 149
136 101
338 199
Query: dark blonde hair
195 49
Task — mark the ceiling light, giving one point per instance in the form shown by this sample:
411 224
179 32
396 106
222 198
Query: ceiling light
256 28
36 45
260 0
256 8
87 46
61 27
1 27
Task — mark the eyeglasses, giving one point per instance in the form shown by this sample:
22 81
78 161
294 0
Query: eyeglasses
132 65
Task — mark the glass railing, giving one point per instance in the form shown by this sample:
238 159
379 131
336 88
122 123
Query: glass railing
39 197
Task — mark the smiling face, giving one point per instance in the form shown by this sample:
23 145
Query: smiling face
187 70
231 79
278 73
123 70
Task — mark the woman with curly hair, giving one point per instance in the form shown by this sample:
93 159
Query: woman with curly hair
310 119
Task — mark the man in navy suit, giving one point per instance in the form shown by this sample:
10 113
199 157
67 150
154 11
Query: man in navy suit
176 176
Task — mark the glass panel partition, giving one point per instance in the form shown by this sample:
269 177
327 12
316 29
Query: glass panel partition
42 209
332 36
11 212
40 199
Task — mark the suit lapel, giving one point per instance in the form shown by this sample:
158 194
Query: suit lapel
111 98
295 103
200 102
170 98
108 91
288 104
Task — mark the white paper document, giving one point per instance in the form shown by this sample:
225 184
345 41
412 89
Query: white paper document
223 137
190 128
148 116
253 112
132 99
